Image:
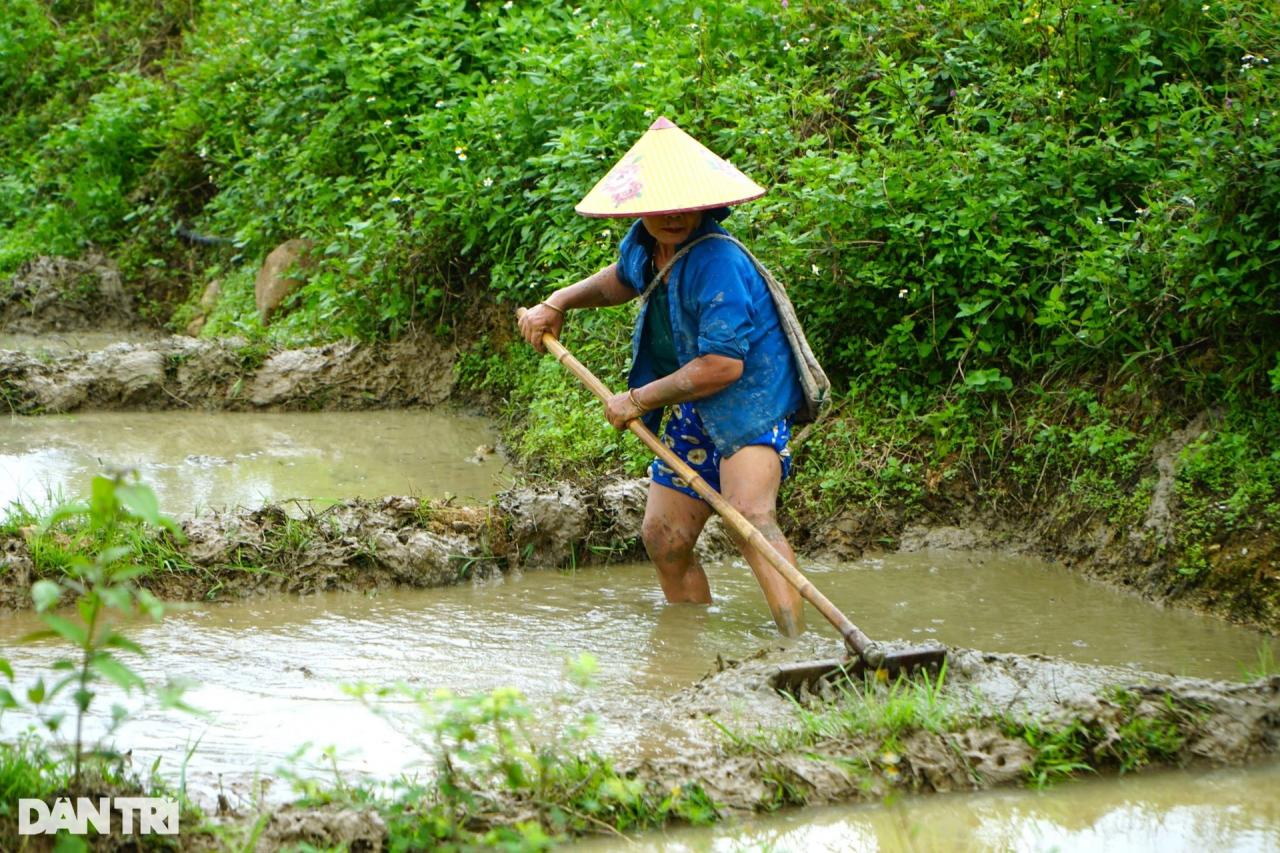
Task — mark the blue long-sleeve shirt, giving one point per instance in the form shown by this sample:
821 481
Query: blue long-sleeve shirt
719 306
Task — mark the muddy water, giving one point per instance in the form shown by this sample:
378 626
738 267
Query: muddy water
50 344
199 460
1220 810
270 671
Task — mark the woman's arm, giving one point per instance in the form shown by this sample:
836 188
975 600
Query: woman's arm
598 290
701 377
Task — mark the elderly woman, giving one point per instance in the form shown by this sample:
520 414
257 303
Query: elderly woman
707 348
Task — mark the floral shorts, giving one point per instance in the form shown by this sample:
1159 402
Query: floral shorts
686 435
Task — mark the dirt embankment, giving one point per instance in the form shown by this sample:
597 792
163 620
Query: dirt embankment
181 372
985 717
987 701
359 545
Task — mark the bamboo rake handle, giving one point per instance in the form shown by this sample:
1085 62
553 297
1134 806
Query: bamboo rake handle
857 641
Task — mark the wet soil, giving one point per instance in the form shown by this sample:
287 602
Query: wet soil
181 372
361 545
1219 722
54 294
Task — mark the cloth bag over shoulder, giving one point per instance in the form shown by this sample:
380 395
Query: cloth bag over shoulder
813 380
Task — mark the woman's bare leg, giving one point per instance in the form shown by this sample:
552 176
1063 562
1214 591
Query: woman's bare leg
672 522
749 480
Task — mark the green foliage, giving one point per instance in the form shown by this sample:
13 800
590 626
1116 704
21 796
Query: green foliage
1131 738
964 195
1228 481
488 764
1266 665
102 585
884 712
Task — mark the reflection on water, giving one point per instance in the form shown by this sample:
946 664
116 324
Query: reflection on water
52 344
1192 811
198 460
270 671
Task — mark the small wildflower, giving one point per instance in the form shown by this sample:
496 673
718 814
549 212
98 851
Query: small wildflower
786 4
786 45
508 5
462 156
395 199
604 234
804 39
488 182
648 112
813 268
439 104
387 123
902 293
1102 100
371 99
637 64
1204 8
461 152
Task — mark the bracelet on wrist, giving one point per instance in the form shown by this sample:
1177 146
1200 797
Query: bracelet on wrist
631 395
554 308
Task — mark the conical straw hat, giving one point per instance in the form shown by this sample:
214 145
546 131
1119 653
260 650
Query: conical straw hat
667 171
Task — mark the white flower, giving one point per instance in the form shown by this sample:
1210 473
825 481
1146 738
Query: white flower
648 112
395 199
814 268
488 182
508 4
439 104
786 45
462 156
387 123
1204 8
637 64
902 294
371 99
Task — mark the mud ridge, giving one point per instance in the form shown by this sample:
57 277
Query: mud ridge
367 544
979 741
992 700
185 373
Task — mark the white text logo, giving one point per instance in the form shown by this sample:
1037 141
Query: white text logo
150 814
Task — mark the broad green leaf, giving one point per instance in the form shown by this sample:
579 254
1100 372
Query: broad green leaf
119 641
102 500
140 501
6 699
37 636
113 670
36 692
117 598
66 629
45 593
110 555
151 604
6 669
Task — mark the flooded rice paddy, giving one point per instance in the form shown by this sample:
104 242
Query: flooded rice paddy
202 460
270 672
